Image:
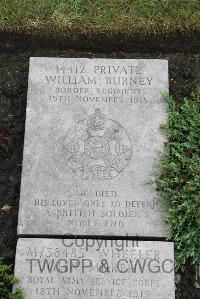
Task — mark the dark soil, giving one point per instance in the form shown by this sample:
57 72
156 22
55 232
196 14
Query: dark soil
173 42
184 76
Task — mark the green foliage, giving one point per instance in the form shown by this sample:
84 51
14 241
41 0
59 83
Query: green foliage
179 178
65 16
7 280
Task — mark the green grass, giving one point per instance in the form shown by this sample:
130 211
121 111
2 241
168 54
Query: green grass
110 16
179 178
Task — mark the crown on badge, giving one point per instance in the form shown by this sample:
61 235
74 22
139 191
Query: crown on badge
97 121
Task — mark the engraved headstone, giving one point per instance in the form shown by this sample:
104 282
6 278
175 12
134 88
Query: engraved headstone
89 268
92 134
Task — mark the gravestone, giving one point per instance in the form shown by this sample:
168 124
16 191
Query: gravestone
92 134
90 268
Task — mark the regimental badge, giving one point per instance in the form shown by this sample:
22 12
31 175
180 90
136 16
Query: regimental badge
97 148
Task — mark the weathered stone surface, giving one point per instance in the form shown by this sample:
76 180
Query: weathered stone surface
92 133
101 269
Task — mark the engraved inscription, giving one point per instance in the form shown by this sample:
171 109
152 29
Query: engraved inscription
97 148
95 269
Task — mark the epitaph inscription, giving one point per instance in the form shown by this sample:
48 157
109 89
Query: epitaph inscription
92 134
89 268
